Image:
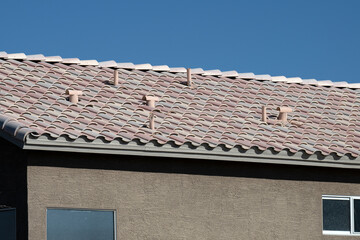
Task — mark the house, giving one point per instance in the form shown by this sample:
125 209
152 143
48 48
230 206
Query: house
112 150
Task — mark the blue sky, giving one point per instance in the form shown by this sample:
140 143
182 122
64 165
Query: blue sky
310 39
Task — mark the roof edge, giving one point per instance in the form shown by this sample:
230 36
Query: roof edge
11 128
188 151
12 139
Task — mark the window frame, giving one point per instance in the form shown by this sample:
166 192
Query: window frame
352 219
82 209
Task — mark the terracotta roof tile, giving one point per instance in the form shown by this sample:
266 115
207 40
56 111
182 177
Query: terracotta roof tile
222 108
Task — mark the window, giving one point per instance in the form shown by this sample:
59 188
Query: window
8 224
341 215
74 224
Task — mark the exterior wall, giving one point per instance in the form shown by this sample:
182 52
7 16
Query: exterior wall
13 190
187 199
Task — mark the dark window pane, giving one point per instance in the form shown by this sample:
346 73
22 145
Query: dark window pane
336 215
66 224
8 224
357 214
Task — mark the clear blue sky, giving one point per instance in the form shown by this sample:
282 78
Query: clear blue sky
310 39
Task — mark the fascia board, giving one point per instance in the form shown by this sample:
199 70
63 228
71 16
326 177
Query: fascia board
150 149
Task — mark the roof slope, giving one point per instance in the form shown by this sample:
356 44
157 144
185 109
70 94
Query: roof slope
222 108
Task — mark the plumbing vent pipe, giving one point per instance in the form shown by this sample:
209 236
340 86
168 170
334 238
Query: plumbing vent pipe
116 77
150 101
74 95
151 121
188 73
263 114
283 111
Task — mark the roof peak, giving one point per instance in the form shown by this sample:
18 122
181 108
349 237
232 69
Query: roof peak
165 68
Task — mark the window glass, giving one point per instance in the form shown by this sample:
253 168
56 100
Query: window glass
357 215
70 224
336 215
7 224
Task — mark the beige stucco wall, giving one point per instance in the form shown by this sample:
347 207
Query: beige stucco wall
160 205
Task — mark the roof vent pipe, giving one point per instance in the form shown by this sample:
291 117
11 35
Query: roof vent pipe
263 114
188 73
150 101
283 113
151 121
116 77
74 95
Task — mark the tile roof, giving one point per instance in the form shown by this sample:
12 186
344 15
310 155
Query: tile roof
221 108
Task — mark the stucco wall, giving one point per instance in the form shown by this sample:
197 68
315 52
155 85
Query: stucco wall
186 199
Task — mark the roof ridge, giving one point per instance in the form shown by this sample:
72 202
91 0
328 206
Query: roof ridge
165 68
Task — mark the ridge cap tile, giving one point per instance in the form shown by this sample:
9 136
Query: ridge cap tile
197 71
53 59
20 56
232 73
162 68
88 63
215 72
3 54
107 64
35 57
71 61
143 66
126 65
178 70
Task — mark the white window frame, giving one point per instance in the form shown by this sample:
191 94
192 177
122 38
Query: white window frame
352 220
84 209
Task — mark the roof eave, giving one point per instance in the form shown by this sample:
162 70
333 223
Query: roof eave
252 155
